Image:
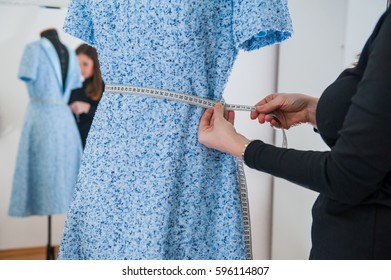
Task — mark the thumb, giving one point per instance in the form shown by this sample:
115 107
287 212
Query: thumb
218 110
206 119
231 117
269 107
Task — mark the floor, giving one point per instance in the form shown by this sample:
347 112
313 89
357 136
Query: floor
37 253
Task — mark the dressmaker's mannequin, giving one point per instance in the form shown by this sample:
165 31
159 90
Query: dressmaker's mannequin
62 52
50 148
52 35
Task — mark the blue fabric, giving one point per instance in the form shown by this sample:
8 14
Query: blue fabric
50 149
147 189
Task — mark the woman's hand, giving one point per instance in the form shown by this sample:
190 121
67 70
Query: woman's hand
290 109
80 107
217 132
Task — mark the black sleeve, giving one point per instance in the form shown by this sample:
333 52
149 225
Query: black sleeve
73 97
94 106
360 161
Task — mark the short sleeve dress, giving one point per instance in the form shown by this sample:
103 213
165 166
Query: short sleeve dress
49 153
147 189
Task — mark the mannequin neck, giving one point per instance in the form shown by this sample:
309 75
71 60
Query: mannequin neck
51 35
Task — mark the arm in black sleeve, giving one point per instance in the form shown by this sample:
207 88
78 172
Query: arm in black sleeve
93 107
94 104
300 167
360 161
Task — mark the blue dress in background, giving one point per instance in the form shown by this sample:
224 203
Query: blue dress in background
146 188
50 149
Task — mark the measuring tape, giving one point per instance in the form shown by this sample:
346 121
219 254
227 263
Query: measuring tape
174 96
186 98
209 104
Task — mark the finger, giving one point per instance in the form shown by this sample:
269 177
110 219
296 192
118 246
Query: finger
267 99
268 107
269 104
275 123
206 119
231 117
261 118
260 105
271 117
254 115
273 120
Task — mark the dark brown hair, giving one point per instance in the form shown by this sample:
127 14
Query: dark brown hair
95 88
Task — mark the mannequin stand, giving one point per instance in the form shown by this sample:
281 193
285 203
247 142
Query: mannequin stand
50 248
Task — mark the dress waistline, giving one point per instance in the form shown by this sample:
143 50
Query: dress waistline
174 96
48 101
184 98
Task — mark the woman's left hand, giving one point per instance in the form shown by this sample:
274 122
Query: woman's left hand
217 131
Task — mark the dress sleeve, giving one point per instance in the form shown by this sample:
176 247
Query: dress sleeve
259 23
28 67
78 21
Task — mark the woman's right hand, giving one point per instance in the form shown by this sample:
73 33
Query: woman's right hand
80 107
289 109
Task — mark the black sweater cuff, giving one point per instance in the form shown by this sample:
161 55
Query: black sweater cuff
250 153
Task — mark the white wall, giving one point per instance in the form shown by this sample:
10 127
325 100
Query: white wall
253 76
361 18
328 35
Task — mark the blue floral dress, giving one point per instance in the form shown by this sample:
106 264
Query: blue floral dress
50 148
147 189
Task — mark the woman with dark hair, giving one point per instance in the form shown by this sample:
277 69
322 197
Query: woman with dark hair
84 100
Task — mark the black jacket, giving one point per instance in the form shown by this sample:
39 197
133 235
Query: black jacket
352 215
84 121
